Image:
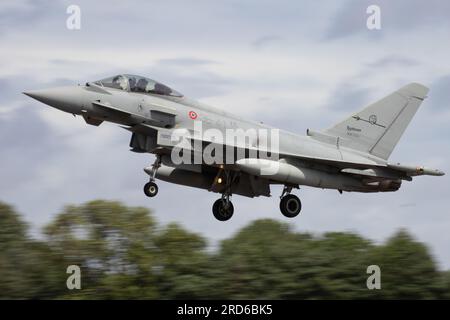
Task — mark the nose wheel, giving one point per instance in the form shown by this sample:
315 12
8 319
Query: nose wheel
290 205
150 189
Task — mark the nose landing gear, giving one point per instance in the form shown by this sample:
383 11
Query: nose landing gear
151 188
290 205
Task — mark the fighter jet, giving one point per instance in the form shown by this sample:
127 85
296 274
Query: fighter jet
350 156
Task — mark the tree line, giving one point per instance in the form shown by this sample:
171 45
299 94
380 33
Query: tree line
123 253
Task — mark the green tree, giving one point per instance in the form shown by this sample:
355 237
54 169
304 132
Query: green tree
13 252
408 270
26 271
269 260
445 278
113 245
124 254
343 260
183 264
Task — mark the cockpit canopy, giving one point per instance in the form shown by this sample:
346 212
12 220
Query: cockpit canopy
133 83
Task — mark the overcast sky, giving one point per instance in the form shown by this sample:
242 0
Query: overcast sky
291 64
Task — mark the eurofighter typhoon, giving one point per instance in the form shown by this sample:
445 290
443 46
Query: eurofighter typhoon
200 146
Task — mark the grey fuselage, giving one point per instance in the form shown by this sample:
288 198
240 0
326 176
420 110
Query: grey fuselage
142 104
97 103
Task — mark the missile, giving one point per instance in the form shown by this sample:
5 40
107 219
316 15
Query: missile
416 170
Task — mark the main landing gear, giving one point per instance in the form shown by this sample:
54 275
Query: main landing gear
151 188
290 205
223 208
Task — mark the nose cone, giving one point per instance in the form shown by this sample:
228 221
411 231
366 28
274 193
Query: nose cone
69 99
45 96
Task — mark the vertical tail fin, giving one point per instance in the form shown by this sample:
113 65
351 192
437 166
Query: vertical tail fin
377 128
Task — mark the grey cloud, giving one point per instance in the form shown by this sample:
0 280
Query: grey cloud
348 97
439 96
408 205
64 63
58 82
185 62
435 109
393 61
25 141
169 24
24 14
202 85
10 89
196 81
266 41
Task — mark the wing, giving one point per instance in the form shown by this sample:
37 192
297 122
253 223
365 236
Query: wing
162 143
371 170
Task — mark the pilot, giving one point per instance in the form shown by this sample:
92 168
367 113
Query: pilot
141 85
132 82
120 82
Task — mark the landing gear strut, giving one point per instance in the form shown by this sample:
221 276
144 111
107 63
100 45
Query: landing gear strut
290 205
151 188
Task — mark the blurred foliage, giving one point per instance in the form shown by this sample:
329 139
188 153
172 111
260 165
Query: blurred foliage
124 254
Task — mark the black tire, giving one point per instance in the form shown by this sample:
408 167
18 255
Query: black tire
151 189
221 212
290 206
